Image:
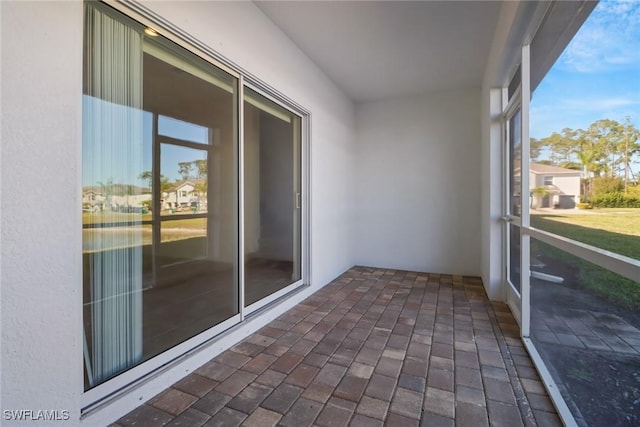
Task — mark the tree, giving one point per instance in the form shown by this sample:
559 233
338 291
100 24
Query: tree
201 188
201 168
535 147
147 176
587 154
605 149
538 193
605 135
560 146
606 184
630 136
107 190
164 184
184 169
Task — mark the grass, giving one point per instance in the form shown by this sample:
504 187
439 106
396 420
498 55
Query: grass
123 223
615 230
114 217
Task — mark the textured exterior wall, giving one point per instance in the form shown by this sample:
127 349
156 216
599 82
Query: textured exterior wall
41 236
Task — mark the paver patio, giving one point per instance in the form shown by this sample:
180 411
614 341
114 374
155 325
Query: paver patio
374 347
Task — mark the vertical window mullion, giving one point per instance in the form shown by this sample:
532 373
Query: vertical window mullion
524 192
240 166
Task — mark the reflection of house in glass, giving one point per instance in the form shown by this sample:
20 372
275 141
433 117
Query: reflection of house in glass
116 198
186 195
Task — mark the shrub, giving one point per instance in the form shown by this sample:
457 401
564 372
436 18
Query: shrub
633 190
605 184
540 191
615 200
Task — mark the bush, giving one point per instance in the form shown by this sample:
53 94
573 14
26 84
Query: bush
606 185
633 190
615 200
583 205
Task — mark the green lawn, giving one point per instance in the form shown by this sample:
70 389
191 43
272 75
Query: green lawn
113 217
615 230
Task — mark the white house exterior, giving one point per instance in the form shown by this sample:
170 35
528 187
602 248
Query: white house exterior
562 185
95 200
376 154
184 195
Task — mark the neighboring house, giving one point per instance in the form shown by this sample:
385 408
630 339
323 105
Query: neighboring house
185 194
117 198
562 186
92 200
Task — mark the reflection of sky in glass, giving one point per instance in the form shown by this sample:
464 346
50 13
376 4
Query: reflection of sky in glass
123 172
171 155
106 162
179 129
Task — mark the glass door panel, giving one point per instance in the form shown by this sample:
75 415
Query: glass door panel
160 195
514 202
514 257
272 197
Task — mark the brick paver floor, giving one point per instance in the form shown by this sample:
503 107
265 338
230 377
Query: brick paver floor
374 347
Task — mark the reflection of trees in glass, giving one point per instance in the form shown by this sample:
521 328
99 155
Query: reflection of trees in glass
196 169
201 168
107 191
148 176
184 169
193 171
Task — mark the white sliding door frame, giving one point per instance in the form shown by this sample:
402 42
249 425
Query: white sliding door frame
303 231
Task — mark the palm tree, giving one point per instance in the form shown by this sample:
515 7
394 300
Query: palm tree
107 190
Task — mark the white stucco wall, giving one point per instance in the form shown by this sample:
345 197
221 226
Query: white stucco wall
569 185
41 277
418 189
41 270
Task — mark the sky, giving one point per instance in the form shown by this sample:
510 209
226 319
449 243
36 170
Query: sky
596 77
106 162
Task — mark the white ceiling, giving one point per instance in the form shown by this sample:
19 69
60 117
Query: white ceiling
377 50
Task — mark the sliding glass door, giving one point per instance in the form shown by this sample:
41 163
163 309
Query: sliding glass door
160 220
513 202
192 200
272 198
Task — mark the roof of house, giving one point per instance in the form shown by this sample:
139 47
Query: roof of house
179 184
542 169
116 189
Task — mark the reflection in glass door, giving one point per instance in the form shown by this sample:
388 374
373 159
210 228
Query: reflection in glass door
160 196
514 207
272 198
